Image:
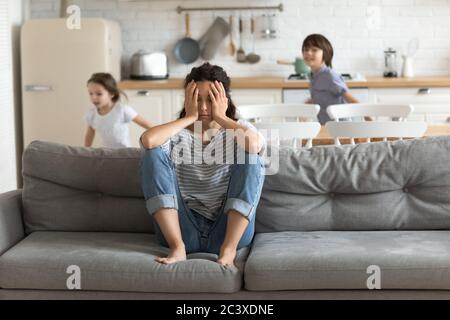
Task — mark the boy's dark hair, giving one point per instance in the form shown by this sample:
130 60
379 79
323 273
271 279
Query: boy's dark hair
108 82
319 41
208 72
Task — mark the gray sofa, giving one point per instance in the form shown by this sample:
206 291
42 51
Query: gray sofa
327 216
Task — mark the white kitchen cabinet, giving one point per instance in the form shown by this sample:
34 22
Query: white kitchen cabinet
296 95
430 104
177 103
360 94
303 95
153 105
256 96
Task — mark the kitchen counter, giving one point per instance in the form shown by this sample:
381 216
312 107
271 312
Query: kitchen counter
429 81
282 83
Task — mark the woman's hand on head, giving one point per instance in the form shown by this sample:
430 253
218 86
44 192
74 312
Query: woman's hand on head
219 100
191 100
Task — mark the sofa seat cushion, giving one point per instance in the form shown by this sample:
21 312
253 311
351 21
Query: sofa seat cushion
112 262
341 260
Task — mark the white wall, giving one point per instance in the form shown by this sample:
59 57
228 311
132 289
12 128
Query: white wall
359 36
11 15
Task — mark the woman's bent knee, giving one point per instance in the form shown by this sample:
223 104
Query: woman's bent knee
155 154
154 161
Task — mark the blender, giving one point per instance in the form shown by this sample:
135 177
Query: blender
390 63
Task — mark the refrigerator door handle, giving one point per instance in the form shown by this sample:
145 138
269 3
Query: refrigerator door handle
38 88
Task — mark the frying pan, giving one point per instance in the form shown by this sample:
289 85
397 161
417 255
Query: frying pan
187 50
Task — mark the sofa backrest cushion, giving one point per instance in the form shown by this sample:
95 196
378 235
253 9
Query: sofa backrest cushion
400 185
83 189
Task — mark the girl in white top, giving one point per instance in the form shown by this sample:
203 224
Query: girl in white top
109 117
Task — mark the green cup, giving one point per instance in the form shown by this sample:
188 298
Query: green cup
301 68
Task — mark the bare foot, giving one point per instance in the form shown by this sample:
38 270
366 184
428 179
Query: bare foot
226 257
176 254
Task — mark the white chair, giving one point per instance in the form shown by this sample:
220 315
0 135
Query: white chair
396 126
436 113
397 112
264 115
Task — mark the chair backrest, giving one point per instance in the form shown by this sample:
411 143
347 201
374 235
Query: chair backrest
385 112
295 131
283 129
375 129
394 111
436 113
267 111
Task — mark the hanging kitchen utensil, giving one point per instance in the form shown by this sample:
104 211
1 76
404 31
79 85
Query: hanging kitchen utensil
187 50
211 40
253 57
272 26
241 57
268 31
232 46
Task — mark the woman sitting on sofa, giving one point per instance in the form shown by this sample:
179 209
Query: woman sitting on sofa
202 204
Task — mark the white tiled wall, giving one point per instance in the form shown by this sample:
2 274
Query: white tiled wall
10 18
360 31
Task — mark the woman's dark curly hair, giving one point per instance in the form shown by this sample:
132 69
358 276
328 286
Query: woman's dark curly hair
208 72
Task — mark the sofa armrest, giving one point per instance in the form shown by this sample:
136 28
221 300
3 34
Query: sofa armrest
11 222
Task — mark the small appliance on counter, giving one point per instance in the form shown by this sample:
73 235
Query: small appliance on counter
408 62
390 63
149 66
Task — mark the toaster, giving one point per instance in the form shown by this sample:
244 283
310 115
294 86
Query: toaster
149 66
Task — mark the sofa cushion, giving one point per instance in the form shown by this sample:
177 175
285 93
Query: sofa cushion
340 260
112 262
83 189
372 186
376 186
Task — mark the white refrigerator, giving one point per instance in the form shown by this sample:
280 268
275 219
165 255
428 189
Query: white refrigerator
56 64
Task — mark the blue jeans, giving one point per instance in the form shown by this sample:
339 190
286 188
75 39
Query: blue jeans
160 187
